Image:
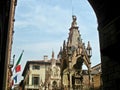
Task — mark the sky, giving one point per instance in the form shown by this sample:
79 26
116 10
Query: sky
41 26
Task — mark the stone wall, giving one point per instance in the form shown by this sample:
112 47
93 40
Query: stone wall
109 47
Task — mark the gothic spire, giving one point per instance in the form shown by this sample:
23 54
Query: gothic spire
53 60
64 44
74 35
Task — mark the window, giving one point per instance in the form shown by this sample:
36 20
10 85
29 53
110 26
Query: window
36 67
35 80
27 82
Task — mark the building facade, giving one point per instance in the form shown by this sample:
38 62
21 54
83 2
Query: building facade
7 13
96 73
42 74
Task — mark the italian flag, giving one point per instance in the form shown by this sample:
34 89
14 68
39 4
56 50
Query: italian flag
18 66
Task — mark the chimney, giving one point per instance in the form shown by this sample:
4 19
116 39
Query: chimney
45 57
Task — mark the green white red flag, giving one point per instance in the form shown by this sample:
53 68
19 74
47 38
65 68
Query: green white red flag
17 65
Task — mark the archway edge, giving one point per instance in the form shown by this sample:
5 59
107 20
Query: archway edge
105 10
108 17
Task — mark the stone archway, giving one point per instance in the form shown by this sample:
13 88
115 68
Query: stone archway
108 17
107 13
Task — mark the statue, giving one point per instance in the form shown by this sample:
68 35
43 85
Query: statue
74 23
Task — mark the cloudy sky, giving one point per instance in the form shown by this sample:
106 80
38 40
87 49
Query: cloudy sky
42 25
